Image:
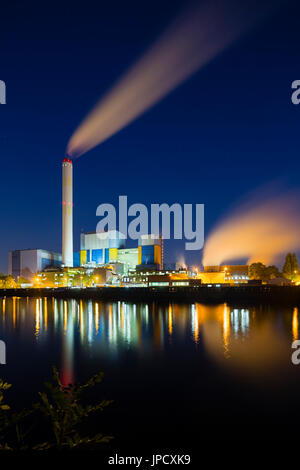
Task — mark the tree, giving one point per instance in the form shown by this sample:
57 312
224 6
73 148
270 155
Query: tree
260 271
7 282
257 270
272 271
61 417
290 268
65 411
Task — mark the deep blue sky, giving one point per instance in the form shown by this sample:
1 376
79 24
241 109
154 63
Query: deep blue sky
228 129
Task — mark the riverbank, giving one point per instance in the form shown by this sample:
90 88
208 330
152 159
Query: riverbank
253 294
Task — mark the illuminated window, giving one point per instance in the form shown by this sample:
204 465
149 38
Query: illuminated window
158 284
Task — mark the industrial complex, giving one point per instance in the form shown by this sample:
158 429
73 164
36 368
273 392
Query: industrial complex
104 259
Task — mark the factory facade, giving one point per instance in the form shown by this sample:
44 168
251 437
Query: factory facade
107 251
26 263
231 274
98 249
95 252
105 248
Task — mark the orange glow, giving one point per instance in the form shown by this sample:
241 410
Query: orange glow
196 325
170 318
226 330
14 311
258 231
192 41
295 324
97 317
37 317
212 277
65 315
46 312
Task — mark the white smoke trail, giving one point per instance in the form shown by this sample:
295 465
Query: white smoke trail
190 43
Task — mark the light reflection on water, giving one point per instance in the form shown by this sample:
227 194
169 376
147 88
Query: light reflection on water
250 341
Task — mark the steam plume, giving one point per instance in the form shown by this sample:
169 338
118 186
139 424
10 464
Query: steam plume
260 231
190 43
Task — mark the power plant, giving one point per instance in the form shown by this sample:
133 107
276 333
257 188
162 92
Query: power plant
141 265
95 251
67 212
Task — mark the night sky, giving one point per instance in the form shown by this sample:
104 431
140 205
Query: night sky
229 129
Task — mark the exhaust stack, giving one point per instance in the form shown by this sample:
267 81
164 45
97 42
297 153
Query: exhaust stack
67 212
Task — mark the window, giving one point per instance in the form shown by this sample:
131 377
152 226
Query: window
158 284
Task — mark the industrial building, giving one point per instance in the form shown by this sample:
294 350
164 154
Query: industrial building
26 263
108 251
150 252
97 249
161 279
106 248
128 258
100 248
73 277
212 277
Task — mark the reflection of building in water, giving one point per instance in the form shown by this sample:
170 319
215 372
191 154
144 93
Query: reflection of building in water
295 323
170 320
109 327
195 322
219 321
247 339
239 319
226 330
67 360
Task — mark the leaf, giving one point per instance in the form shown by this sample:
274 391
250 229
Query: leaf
5 407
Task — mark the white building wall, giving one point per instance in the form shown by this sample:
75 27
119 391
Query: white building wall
29 260
67 213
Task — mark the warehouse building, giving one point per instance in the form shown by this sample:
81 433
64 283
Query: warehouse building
232 274
160 279
149 252
27 262
100 248
97 249
128 258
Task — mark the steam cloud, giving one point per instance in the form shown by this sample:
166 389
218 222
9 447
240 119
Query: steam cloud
192 41
260 231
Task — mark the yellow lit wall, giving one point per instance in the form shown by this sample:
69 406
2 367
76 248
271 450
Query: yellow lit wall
157 255
212 278
113 254
140 255
83 257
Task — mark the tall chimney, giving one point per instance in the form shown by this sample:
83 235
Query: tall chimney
67 212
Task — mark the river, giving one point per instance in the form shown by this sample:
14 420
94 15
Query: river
221 370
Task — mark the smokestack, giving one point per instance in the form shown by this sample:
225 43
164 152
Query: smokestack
67 212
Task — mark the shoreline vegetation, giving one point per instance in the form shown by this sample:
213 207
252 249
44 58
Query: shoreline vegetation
58 421
215 293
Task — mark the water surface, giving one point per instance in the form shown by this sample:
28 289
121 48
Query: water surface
176 372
